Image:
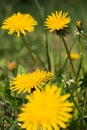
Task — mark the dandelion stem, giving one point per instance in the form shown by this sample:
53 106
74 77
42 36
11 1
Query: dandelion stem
29 51
68 54
74 100
81 59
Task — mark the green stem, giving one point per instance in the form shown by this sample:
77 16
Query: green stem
60 54
80 46
29 51
68 54
3 121
39 8
72 96
79 69
47 51
40 60
81 61
15 106
84 106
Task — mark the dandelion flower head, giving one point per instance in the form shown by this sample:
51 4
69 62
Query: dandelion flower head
57 21
46 110
24 82
19 23
74 56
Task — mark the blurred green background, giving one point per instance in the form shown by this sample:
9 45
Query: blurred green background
12 48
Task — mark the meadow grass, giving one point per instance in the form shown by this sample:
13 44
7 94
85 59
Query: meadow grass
43 65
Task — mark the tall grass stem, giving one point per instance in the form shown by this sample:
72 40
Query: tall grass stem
47 50
68 54
29 51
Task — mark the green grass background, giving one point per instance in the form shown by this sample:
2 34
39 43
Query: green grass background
12 48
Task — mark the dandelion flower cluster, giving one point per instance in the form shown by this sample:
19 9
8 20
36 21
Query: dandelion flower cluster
24 82
57 21
19 23
46 110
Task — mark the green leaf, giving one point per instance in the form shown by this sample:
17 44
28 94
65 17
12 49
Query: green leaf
14 126
83 81
21 70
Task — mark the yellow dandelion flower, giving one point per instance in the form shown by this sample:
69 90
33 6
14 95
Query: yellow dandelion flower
57 21
19 23
74 56
46 110
24 83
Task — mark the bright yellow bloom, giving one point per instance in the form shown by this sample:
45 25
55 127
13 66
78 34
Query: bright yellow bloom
57 21
46 110
74 56
19 23
24 82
